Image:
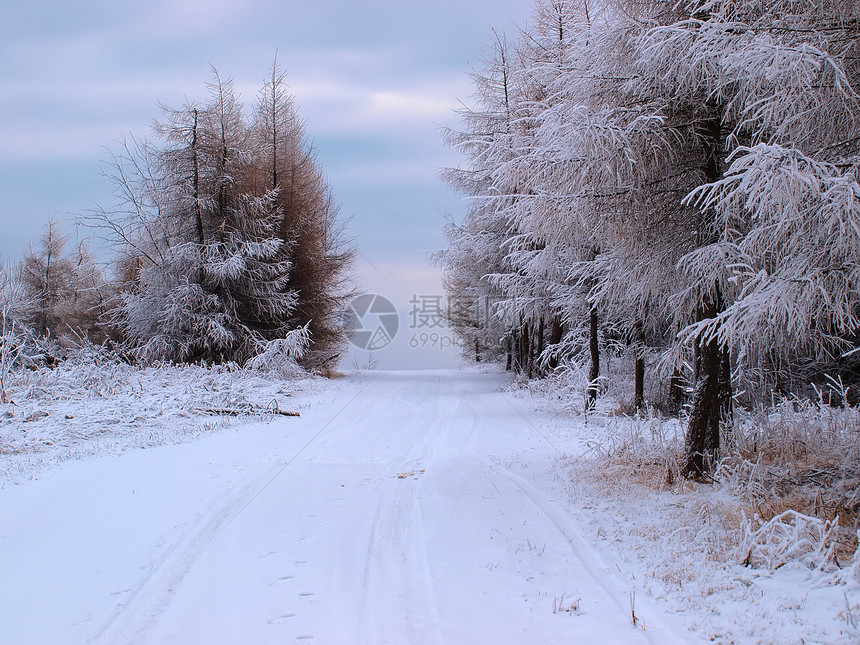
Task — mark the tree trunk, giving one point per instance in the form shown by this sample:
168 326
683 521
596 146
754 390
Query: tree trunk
555 335
712 398
539 350
528 334
639 386
274 108
195 182
639 368
524 347
676 390
711 402
517 352
594 369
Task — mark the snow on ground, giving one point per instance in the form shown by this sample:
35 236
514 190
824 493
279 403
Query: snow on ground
96 405
676 543
401 507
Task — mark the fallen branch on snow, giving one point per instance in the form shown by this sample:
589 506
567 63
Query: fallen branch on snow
251 410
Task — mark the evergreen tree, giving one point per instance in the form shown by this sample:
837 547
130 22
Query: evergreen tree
309 225
228 235
62 293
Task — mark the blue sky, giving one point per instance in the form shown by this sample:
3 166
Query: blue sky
374 81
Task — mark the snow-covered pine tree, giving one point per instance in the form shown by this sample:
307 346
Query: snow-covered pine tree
597 173
477 248
694 167
771 88
62 292
46 278
319 255
207 264
560 261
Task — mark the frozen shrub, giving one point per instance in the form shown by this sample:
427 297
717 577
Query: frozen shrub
280 356
789 537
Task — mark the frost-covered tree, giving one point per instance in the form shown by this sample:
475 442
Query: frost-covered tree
555 222
689 170
474 252
476 247
14 335
589 174
497 305
784 207
213 272
208 260
62 292
770 87
318 253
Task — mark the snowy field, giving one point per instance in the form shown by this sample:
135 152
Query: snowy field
401 507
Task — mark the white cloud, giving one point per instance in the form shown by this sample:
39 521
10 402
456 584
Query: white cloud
50 142
400 171
190 17
411 105
337 105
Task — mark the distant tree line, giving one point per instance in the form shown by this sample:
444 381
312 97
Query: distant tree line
226 238
673 180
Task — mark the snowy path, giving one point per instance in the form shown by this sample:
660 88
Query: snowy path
399 513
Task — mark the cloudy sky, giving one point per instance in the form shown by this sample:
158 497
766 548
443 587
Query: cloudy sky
374 81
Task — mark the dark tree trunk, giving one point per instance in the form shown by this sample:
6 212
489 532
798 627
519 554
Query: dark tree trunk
528 334
516 351
524 347
639 385
594 369
539 350
555 335
477 351
274 108
639 368
676 391
712 400
195 182
510 354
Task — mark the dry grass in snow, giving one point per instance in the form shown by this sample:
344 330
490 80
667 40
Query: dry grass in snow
766 553
93 404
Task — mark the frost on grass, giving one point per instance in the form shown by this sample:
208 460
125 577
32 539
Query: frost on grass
690 547
93 403
764 553
789 537
798 455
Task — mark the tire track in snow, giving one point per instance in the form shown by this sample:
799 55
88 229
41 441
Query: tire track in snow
579 548
153 592
389 557
147 600
399 603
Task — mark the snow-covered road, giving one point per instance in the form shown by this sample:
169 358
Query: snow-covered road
410 508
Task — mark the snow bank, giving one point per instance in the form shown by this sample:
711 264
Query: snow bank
689 547
96 404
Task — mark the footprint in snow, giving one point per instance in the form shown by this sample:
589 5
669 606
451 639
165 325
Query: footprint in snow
281 579
268 555
281 619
